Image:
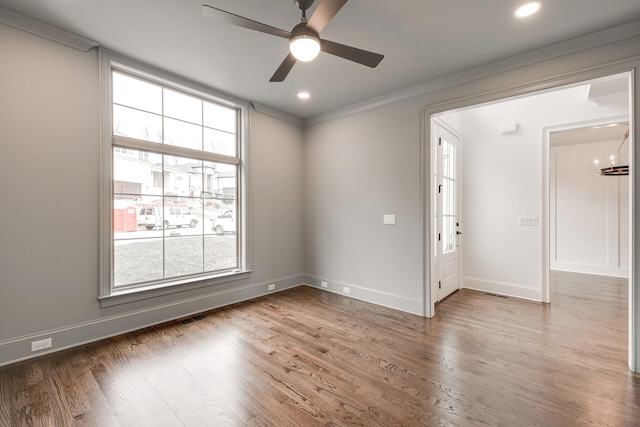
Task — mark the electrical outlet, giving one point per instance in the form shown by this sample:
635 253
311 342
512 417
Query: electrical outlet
529 221
41 345
346 290
389 219
324 284
272 286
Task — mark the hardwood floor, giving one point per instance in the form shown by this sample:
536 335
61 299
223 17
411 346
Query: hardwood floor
304 357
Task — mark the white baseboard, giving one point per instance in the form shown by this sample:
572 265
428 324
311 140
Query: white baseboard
368 295
597 270
18 349
502 288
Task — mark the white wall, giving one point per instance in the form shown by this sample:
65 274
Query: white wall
589 213
49 185
502 181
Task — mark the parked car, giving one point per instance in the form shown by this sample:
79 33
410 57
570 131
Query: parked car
151 217
225 223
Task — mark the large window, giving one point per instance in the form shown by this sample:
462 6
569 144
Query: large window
174 168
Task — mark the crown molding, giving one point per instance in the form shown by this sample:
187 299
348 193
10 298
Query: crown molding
588 41
49 32
269 111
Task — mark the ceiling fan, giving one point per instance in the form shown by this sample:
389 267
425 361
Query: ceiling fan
304 39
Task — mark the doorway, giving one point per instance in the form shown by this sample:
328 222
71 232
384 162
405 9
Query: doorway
504 201
588 210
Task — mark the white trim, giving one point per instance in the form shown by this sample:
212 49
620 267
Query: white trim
502 288
138 293
373 296
545 228
634 229
596 270
128 64
564 79
18 349
272 112
108 295
425 211
106 176
577 44
244 234
173 150
49 32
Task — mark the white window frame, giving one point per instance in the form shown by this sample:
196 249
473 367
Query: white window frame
108 294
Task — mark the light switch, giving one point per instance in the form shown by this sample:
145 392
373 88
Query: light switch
389 220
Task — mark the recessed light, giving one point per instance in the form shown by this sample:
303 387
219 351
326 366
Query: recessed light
527 9
304 95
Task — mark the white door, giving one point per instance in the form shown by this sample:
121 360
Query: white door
447 226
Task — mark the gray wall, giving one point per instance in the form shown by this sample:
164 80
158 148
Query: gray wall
49 220
359 168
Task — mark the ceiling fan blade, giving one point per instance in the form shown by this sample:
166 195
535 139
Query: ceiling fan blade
325 11
284 68
240 21
354 54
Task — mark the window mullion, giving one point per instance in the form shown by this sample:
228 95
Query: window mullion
171 150
162 209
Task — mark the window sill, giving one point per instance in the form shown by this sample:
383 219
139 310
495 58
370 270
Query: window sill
125 296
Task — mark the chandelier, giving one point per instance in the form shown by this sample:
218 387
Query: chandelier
612 169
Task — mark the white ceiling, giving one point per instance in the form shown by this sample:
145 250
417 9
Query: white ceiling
421 40
591 134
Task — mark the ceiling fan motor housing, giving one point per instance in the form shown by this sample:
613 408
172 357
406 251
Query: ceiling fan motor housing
302 30
303 4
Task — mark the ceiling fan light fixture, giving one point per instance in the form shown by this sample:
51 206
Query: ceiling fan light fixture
304 47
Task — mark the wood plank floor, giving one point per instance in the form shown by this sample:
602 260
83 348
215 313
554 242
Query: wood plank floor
304 357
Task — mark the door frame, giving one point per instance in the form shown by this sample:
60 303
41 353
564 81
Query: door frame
546 193
460 101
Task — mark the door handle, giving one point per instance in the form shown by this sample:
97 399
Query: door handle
458 232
